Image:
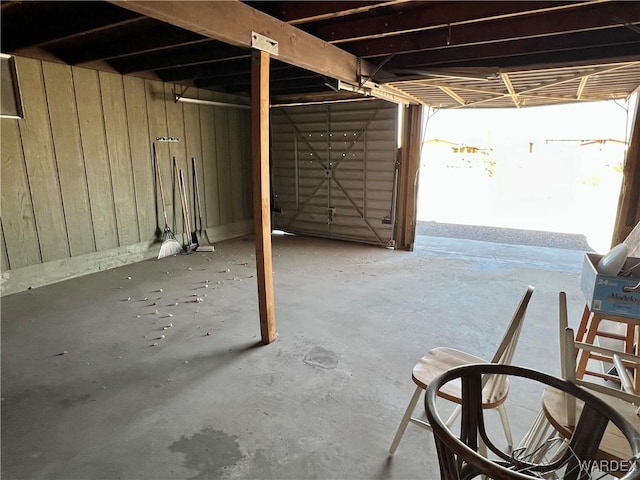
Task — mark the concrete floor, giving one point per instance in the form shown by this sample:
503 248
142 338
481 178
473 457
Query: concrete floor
322 402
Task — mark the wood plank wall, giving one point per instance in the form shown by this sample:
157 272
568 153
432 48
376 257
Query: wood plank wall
77 175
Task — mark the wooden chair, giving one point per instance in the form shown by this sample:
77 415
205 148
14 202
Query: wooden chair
621 387
459 457
439 360
625 390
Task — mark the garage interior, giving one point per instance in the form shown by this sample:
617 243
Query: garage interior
116 364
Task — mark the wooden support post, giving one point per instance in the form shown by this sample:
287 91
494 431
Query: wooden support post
628 215
261 192
408 178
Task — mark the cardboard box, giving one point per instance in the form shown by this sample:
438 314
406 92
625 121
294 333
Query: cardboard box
611 294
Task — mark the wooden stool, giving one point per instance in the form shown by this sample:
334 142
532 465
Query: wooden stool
588 330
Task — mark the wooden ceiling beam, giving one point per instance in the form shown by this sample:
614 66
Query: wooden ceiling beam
213 20
208 52
219 72
281 75
574 48
206 70
146 36
548 24
30 24
421 16
296 13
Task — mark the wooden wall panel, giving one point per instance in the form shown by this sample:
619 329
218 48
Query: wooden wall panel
209 162
77 174
138 126
115 120
4 260
224 169
68 153
235 164
18 221
175 127
245 145
193 144
96 159
37 146
157 116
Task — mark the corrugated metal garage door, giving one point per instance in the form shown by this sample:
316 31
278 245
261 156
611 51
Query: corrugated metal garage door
333 170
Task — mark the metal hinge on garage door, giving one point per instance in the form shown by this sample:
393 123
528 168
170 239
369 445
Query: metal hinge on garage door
333 170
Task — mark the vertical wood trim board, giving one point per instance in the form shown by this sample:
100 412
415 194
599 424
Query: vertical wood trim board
42 173
96 158
77 176
235 158
175 128
224 169
245 144
157 118
68 153
115 116
209 172
18 222
262 192
193 146
247 174
4 260
143 173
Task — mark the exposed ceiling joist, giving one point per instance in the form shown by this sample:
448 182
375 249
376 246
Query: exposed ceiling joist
532 86
53 23
584 47
512 91
296 47
207 52
583 83
453 95
278 75
440 52
548 24
455 87
571 78
296 13
413 19
122 41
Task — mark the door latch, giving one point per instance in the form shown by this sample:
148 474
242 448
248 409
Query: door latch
331 211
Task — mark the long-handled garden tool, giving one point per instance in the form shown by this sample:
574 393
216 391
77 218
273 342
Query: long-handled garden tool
189 243
170 246
204 245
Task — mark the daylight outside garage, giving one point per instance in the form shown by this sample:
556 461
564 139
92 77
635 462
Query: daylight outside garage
549 169
213 260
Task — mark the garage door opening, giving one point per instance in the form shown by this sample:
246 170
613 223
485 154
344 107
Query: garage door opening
550 169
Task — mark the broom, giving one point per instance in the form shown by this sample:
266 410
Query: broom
170 246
